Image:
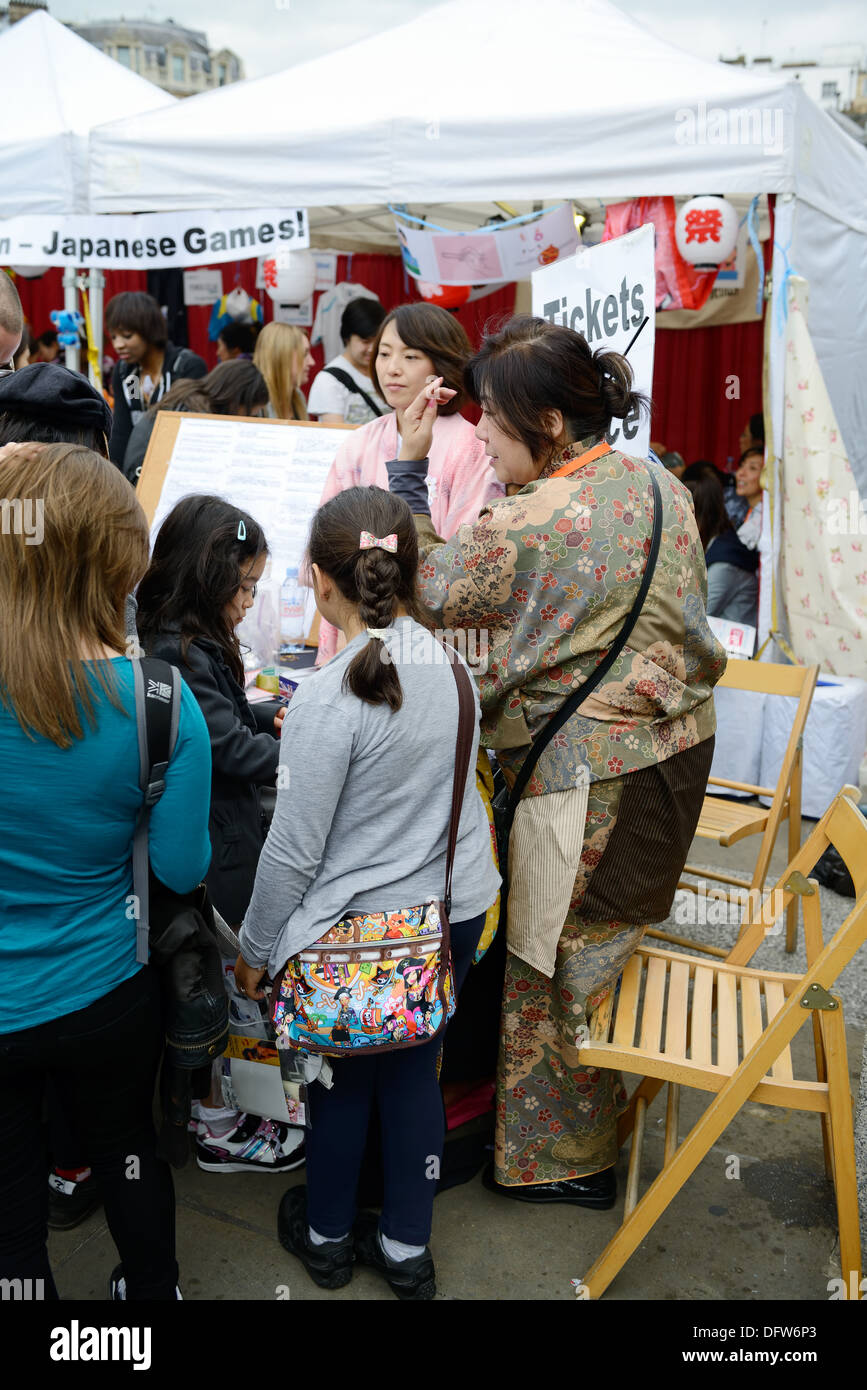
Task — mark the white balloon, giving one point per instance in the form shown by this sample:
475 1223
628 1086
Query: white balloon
290 276
706 231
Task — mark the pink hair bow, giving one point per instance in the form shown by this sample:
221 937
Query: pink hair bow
370 542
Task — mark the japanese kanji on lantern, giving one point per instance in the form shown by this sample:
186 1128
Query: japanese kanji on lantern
706 230
289 276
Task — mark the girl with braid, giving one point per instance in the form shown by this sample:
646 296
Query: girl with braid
368 751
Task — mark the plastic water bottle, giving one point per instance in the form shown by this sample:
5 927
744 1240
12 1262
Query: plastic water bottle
291 612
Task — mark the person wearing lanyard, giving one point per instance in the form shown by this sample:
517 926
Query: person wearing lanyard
551 573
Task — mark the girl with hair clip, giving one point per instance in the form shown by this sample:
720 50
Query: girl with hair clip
370 738
415 343
207 560
555 572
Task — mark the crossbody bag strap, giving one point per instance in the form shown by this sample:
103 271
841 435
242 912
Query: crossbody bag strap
463 752
157 710
351 385
568 708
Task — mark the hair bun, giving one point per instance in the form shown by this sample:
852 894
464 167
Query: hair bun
615 383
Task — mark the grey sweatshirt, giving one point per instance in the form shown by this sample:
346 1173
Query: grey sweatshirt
363 803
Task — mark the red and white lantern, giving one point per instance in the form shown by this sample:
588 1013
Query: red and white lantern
446 296
289 276
706 231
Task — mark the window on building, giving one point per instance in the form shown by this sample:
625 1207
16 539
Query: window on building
122 55
829 89
221 74
179 67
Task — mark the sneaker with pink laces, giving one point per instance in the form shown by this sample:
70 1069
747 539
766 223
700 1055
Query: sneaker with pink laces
254 1145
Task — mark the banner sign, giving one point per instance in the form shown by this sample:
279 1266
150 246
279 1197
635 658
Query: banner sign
605 293
505 253
152 240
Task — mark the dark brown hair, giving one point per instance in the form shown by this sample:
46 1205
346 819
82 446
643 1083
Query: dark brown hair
709 503
197 567
374 579
137 312
532 366
437 333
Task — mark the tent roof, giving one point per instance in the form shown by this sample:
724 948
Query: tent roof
55 88
474 100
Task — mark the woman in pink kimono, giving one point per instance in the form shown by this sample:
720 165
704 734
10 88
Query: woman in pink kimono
417 342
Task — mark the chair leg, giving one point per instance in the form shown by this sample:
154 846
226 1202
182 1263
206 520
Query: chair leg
635 1156
794 846
672 1112
843 1147
822 1075
647 1090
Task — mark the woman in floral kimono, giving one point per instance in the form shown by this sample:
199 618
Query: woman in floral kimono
602 832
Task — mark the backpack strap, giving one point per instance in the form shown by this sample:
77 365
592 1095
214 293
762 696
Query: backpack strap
157 709
351 385
463 750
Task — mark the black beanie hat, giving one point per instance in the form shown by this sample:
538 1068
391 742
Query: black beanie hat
47 391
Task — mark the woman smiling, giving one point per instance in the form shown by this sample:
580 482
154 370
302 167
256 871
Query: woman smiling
417 342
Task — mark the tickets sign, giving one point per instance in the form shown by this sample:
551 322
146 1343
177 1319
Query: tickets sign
606 293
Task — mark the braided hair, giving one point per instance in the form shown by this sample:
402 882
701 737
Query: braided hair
373 579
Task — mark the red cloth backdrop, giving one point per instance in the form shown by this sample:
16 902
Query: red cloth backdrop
691 412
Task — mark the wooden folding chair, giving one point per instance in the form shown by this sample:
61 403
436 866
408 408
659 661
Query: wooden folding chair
670 998
726 822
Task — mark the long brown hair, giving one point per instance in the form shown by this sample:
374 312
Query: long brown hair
67 588
279 355
374 579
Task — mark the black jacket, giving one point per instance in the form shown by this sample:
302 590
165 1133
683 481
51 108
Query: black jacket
178 363
243 759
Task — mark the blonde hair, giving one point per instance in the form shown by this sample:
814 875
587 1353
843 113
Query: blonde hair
64 586
279 354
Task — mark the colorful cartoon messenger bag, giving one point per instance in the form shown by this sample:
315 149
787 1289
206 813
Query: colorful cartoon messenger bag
380 979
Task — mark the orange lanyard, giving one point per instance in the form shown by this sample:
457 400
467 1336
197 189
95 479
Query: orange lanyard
595 453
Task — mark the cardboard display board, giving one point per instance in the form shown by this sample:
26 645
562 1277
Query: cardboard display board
273 469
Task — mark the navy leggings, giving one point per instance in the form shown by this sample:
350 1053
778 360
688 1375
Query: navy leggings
407 1092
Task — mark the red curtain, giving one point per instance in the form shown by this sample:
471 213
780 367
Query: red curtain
691 412
693 367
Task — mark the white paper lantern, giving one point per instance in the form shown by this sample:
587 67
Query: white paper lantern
706 231
290 276
30 272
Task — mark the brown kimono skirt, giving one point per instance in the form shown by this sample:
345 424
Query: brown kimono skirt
555 1118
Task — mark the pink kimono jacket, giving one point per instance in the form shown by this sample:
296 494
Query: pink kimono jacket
460 479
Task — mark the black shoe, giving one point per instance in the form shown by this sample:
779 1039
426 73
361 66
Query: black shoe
329 1266
409 1279
598 1191
70 1203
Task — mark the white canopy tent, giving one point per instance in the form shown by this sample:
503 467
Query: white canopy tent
487 100
55 88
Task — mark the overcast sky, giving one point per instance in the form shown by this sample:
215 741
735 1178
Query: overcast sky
272 34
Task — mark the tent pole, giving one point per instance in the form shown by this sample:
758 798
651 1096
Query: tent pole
70 305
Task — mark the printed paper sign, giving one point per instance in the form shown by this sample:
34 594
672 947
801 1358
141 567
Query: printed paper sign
739 639
508 253
202 287
152 240
326 270
604 293
298 314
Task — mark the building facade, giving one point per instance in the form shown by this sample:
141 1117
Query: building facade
177 59
837 81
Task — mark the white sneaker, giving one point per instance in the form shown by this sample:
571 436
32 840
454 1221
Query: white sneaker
255 1145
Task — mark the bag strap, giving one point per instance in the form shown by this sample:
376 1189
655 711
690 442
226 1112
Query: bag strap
157 711
346 380
463 751
568 708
